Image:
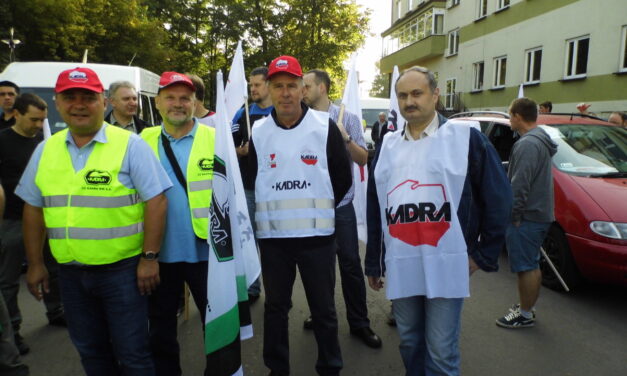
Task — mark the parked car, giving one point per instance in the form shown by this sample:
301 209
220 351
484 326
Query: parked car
588 239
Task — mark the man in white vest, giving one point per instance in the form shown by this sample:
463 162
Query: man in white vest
301 172
438 206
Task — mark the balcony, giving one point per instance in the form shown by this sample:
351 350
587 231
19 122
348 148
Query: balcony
413 54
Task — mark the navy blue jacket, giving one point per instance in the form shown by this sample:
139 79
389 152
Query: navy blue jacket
484 210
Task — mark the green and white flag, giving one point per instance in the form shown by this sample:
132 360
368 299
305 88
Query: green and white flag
233 260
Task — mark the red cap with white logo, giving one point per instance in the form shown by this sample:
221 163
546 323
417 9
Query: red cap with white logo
285 64
175 78
78 78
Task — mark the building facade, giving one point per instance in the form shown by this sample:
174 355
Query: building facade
563 51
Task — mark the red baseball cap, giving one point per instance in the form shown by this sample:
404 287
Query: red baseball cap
285 64
175 78
78 78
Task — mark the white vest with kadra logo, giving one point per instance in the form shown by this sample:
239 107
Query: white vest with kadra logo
419 186
293 192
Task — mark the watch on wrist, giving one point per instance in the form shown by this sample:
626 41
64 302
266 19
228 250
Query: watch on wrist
348 139
150 255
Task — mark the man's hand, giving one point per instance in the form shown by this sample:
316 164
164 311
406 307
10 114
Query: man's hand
472 266
147 276
37 280
375 283
242 151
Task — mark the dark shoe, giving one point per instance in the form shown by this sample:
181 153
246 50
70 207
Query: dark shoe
515 320
58 321
367 336
22 347
252 298
308 324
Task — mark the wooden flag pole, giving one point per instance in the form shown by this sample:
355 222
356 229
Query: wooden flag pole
247 119
340 118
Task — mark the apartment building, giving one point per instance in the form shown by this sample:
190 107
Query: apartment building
564 51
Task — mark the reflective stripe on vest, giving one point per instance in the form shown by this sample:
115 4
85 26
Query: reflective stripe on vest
90 216
95 233
199 173
296 224
297 203
91 201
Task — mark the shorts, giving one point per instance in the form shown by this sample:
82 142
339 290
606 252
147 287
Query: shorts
523 245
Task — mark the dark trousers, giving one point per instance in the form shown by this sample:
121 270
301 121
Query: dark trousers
11 259
163 306
353 283
107 318
315 260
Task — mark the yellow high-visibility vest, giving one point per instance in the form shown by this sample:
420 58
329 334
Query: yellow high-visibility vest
199 173
90 216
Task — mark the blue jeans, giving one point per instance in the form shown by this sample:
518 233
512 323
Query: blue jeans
107 318
429 332
353 282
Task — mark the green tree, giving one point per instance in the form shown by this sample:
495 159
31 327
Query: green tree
380 86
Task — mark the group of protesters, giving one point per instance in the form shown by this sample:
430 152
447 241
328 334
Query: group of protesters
116 223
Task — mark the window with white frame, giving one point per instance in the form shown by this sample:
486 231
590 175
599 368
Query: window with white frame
482 9
477 74
577 57
533 65
453 42
454 2
449 99
398 8
623 51
438 22
500 70
502 4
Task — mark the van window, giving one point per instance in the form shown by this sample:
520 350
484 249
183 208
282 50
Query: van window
156 116
371 115
47 94
144 108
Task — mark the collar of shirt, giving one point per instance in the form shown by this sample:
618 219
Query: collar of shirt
129 126
99 137
191 133
428 131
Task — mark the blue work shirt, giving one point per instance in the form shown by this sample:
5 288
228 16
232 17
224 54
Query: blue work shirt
180 244
140 168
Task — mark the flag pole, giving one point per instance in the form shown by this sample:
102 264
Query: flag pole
247 119
340 117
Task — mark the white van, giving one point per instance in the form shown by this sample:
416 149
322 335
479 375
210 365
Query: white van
41 77
370 109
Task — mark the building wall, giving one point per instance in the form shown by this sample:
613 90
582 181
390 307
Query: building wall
527 24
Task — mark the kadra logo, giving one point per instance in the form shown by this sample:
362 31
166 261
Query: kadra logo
98 177
418 214
205 164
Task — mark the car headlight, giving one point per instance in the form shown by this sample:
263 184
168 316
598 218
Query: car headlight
610 229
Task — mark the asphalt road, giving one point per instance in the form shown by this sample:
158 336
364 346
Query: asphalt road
578 333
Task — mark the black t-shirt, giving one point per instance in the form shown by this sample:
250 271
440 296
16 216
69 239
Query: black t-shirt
4 124
15 152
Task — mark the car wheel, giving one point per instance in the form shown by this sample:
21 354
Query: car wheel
556 247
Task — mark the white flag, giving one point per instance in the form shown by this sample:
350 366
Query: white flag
395 119
521 93
233 260
236 91
360 173
47 132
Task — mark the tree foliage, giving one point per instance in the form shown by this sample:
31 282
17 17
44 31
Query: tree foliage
196 36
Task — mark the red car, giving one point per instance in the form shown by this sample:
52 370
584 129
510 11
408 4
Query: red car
589 237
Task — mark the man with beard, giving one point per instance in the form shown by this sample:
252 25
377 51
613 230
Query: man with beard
186 150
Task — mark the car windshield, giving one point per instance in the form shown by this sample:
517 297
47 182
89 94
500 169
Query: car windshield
589 149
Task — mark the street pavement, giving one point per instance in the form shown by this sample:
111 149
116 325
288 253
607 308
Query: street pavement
581 333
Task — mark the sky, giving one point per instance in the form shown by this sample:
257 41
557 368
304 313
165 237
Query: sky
380 20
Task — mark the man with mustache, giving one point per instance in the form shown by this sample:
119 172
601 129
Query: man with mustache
438 207
186 150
